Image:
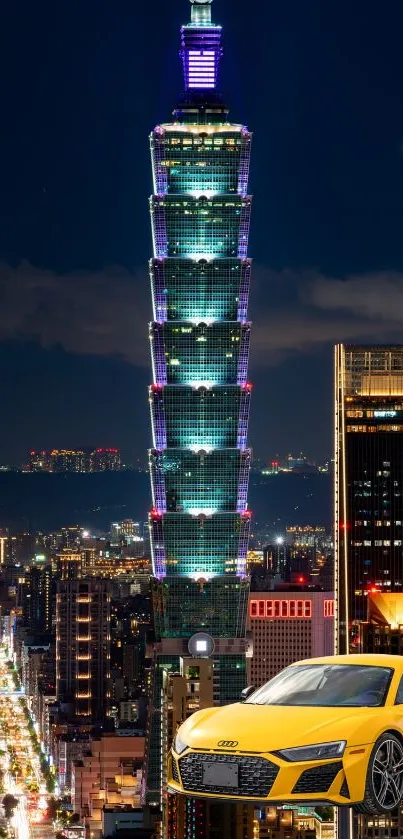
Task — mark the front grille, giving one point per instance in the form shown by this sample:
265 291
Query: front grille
175 773
319 778
256 775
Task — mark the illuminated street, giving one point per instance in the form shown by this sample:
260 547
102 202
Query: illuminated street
21 775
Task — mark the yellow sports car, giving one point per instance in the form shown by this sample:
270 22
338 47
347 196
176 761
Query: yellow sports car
325 731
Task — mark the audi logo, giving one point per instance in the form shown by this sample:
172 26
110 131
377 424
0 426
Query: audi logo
228 744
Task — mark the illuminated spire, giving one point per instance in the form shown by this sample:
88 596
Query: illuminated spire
201 12
200 48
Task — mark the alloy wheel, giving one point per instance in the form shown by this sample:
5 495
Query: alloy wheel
387 774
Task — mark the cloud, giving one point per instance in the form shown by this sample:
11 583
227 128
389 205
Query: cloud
319 310
106 313
91 313
377 296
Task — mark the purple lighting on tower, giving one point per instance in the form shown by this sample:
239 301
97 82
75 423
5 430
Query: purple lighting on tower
201 66
201 48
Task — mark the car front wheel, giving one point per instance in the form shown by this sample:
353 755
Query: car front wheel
384 784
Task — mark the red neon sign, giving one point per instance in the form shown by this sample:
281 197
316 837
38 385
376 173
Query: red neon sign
328 608
280 608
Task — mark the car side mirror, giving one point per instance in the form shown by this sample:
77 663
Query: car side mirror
247 692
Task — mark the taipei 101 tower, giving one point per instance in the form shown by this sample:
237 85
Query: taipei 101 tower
199 399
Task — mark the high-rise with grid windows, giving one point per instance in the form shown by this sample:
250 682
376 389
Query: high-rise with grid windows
200 394
368 481
368 518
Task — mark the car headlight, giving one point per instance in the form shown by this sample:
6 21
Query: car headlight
179 744
320 751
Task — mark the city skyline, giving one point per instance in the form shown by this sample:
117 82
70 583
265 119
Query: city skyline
330 243
114 629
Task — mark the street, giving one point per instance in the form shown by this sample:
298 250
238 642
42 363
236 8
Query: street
21 774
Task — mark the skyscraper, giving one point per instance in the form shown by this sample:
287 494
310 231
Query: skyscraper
368 511
200 394
287 626
83 649
39 599
69 564
368 481
183 693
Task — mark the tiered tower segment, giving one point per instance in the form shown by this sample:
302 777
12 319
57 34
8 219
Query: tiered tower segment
200 395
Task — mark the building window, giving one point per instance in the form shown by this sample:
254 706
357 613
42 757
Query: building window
328 608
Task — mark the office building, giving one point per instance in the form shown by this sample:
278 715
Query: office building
188 690
83 649
126 531
277 559
303 823
38 599
368 502
381 633
307 535
192 689
104 460
75 460
58 460
200 394
287 626
108 773
284 627
70 537
131 659
128 710
69 564
88 558
39 461
7 547
368 480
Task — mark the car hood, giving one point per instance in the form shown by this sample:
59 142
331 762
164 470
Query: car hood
267 728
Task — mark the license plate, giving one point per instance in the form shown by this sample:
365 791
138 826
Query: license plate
220 774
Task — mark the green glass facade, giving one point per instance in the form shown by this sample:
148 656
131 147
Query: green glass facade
181 609
200 354
199 417
200 395
196 546
200 228
189 290
204 482
218 163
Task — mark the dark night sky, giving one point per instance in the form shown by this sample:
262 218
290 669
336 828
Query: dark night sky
82 83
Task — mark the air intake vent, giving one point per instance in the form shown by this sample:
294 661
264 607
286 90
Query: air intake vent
318 779
175 773
344 791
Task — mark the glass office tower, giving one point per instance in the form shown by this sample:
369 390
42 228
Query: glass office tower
368 495
200 395
368 481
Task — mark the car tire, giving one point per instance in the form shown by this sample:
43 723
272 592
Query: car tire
384 782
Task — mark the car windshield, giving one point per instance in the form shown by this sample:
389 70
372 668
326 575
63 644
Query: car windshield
351 685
